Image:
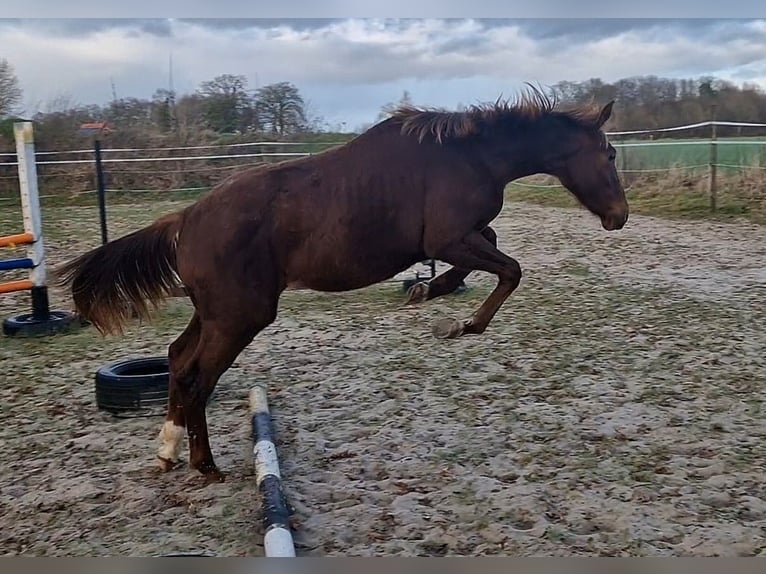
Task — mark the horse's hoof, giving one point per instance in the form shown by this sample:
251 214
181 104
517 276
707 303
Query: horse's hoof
214 476
418 293
210 472
166 465
448 328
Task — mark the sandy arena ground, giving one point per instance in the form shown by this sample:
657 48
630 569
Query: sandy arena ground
614 407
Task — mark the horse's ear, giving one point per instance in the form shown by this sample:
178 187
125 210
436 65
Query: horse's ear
606 111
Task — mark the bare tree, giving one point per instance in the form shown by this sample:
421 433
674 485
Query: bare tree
10 91
281 108
163 110
226 102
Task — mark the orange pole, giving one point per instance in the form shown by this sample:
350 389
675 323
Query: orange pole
13 286
18 239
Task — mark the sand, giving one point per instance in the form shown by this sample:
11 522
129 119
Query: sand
614 407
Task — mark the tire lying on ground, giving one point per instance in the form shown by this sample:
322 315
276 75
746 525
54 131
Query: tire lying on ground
26 325
133 385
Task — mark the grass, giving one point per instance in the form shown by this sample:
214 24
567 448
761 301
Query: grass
695 153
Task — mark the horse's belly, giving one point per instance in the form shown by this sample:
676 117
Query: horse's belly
346 276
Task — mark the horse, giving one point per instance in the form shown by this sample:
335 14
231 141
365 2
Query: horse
423 183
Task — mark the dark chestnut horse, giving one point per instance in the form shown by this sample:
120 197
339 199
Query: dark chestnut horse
421 184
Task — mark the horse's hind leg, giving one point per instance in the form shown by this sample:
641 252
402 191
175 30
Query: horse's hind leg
173 430
228 325
446 282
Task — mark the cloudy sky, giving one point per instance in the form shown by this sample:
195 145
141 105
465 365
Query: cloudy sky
349 68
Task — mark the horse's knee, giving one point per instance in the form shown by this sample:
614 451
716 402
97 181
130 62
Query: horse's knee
490 235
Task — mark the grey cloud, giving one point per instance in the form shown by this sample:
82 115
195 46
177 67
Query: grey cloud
735 30
468 46
164 26
551 32
596 29
246 23
77 27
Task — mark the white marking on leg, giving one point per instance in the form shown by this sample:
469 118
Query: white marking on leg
171 436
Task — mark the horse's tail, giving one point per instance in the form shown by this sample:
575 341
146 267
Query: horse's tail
114 282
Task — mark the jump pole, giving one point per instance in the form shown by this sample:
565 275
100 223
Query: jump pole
277 539
42 320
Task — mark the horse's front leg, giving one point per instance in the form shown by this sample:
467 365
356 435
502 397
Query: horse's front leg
446 282
478 252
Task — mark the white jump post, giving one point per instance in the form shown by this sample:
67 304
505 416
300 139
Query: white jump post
41 320
30 209
277 540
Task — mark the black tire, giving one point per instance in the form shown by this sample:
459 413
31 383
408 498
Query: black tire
133 385
27 326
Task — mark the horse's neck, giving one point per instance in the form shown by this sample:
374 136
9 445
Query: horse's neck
509 162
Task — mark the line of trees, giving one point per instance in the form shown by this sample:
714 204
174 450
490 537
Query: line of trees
652 102
222 106
648 102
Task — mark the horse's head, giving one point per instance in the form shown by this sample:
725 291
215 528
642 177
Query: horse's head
580 156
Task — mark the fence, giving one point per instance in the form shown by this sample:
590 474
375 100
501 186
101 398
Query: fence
185 168
711 154
180 168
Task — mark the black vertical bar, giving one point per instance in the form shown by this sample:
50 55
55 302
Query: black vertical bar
101 189
40 304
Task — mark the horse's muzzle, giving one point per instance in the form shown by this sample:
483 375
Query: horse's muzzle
615 220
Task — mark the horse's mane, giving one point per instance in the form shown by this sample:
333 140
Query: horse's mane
529 106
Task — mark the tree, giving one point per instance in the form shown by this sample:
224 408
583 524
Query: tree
226 102
163 110
190 114
313 120
129 112
281 108
570 92
707 90
58 129
10 92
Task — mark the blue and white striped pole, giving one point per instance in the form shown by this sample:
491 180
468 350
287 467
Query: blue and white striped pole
277 540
